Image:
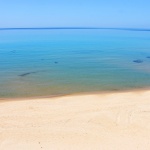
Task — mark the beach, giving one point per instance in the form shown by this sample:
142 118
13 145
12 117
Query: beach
106 121
74 75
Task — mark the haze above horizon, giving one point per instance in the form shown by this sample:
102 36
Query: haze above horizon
75 14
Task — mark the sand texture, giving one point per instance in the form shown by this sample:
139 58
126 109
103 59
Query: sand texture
114 121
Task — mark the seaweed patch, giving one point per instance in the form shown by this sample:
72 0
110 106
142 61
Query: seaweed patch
28 73
138 61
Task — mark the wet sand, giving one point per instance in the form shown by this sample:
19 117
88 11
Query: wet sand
112 121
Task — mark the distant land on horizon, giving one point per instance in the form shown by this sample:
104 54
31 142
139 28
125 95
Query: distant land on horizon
46 28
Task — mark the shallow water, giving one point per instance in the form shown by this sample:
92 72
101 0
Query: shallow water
55 62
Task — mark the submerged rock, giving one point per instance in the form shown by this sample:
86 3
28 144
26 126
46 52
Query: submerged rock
138 61
13 51
27 73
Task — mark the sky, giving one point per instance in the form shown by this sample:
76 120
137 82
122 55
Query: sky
75 13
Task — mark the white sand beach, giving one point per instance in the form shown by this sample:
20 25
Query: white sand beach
114 121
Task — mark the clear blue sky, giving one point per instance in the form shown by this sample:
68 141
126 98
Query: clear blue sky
87 13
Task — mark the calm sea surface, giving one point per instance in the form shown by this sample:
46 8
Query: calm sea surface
55 62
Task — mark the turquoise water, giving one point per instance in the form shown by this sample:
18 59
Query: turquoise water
55 62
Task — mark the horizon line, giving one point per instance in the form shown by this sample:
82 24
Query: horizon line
50 28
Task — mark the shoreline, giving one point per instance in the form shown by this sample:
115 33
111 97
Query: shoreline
94 121
75 94
5 99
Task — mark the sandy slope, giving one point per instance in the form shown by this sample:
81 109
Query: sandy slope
118 121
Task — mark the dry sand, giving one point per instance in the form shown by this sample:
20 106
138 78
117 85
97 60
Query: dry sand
115 121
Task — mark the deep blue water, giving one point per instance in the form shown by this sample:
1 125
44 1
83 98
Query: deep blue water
60 61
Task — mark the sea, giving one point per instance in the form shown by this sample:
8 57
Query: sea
62 61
